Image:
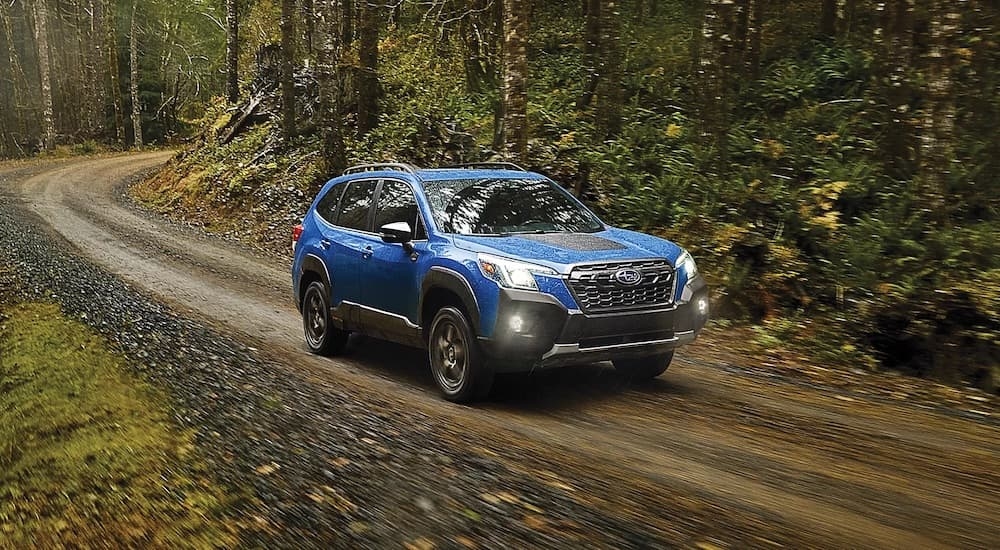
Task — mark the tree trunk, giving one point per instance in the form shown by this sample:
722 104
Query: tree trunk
86 74
44 72
114 71
828 18
328 75
894 39
610 95
480 45
715 67
515 92
287 70
134 78
368 89
309 19
846 12
348 9
8 90
396 12
97 26
19 80
232 51
591 51
938 127
751 49
698 38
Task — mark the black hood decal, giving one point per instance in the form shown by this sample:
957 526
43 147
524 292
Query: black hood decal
580 242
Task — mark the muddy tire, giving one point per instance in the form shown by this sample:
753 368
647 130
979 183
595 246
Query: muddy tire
457 363
322 338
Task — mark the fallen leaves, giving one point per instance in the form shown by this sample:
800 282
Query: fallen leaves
267 469
535 522
420 544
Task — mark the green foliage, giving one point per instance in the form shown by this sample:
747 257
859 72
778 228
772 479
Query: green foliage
805 209
430 117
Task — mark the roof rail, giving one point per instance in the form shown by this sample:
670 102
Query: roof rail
397 166
488 166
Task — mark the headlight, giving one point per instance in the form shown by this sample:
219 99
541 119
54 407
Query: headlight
686 262
511 274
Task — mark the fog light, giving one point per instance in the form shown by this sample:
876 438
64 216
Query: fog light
516 323
703 306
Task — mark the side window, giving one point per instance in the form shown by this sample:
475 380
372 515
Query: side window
356 204
329 205
397 204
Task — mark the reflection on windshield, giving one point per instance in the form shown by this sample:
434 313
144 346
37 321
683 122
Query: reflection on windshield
505 206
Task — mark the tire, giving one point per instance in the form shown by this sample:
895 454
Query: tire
322 338
457 363
644 368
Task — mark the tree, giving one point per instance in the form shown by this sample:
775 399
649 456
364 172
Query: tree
515 88
482 32
347 11
482 45
828 18
938 125
17 94
330 87
715 61
894 43
134 77
98 13
232 51
114 72
846 13
603 61
309 20
44 71
751 46
591 51
287 70
610 93
368 88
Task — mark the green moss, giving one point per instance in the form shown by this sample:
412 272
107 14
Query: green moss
88 456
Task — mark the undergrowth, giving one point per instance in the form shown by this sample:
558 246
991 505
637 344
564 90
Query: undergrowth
88 454
810 217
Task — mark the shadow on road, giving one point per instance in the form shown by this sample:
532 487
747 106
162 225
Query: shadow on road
549 390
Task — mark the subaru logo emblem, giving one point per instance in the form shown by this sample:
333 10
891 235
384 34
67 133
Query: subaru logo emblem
628 277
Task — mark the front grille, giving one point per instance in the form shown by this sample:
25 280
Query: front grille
597 289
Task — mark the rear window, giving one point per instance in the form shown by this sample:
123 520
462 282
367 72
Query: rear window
329 205
356 205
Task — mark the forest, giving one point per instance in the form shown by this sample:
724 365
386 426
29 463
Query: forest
832 164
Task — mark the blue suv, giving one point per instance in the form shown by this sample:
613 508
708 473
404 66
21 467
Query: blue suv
491 269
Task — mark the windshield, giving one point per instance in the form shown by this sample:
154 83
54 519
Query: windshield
506 206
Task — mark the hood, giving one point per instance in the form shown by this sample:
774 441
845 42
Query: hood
560 251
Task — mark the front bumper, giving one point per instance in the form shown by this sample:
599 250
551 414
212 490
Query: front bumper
534 330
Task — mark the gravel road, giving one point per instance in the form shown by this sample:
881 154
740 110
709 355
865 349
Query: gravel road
723 450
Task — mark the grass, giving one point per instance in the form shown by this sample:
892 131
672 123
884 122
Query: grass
88 454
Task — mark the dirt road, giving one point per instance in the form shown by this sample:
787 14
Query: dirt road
750 457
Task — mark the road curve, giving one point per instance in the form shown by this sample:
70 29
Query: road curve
780 461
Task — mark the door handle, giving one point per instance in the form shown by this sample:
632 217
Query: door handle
325 244
367 252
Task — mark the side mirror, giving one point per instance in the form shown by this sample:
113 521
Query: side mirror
396 233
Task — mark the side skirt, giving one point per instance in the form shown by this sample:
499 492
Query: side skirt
377 324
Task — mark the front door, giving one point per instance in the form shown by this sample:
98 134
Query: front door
389 273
